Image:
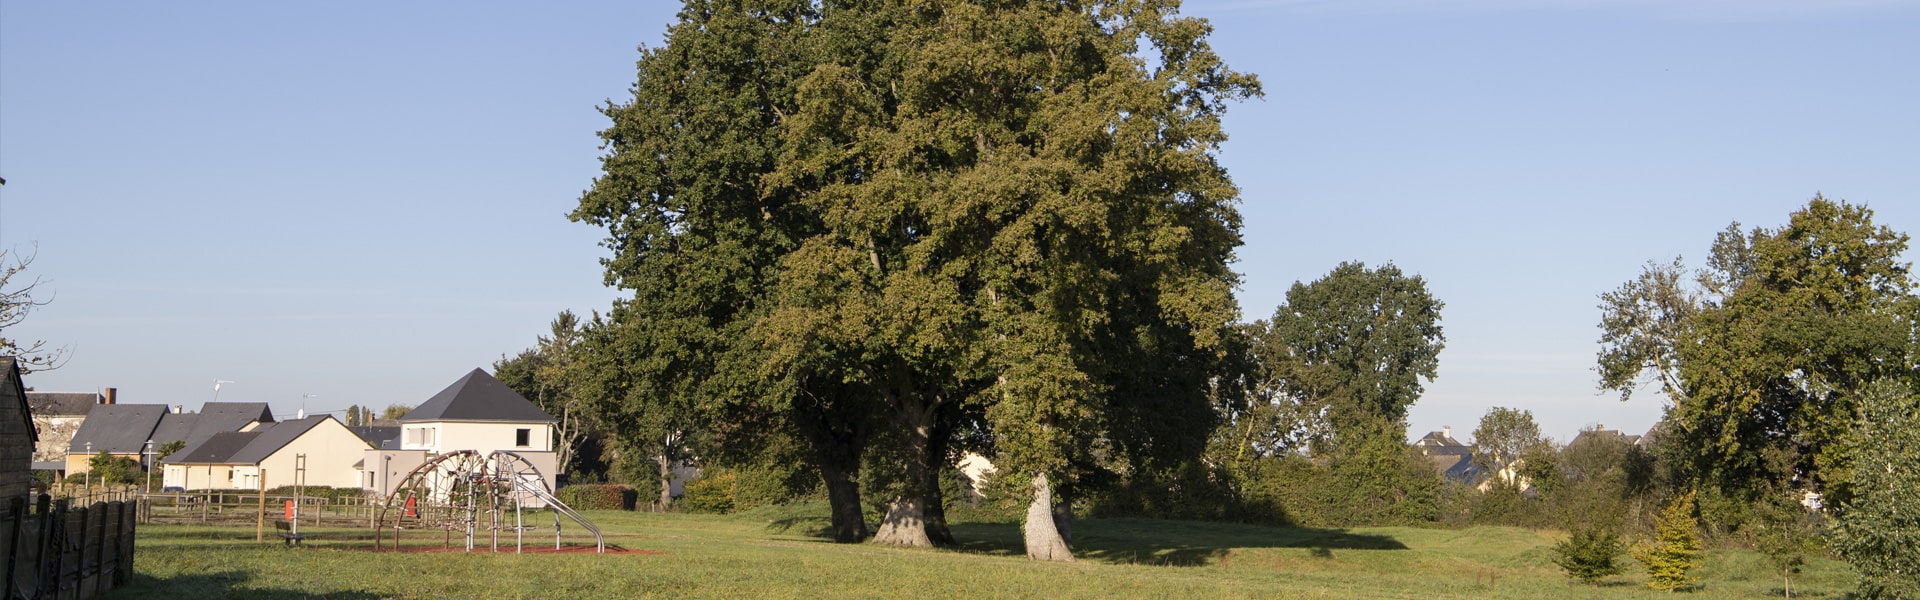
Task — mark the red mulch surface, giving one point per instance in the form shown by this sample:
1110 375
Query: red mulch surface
508 549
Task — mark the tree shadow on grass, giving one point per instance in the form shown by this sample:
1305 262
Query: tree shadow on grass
218 584
810 526
1169 543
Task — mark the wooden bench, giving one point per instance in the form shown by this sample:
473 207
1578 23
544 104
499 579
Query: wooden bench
285 531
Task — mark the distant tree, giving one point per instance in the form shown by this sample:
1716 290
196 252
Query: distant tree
1504 437
1878 530
1674 552
1588 554
1358 342
550 375
393 412
1785 538
1764 353
169 448
107 468
16 302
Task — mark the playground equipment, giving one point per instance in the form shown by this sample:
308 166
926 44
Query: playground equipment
466 491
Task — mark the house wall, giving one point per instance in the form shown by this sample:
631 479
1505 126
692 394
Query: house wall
55 432
331 451
446 436
199 477
381 470
16 446
77 462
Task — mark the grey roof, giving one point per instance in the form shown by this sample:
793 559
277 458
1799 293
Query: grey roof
246 447
49 404
117 428
215 450
478 397
49 465
10 370
125 428
378 436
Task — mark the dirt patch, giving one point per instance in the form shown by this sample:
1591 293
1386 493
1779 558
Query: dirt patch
505 549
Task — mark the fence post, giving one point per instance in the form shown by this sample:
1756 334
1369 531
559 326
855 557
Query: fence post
260 521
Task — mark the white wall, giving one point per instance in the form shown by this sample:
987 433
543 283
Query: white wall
331 452
446 436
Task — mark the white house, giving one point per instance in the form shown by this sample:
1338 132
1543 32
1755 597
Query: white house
318 450
476 413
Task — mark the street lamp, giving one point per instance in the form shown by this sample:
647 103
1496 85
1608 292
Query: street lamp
88 478
216 388
147 453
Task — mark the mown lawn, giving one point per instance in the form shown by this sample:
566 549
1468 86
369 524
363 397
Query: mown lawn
771 553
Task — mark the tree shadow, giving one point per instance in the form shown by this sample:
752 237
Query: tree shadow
218 584
1169 543
820 528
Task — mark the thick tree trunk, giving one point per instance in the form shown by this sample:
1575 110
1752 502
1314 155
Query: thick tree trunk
905 523
936 509
843 497
906 520
1043 537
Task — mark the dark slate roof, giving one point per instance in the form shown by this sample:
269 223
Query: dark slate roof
378 436
117 428
49 404
218 449
478 397
248 447
127 427
14 388
217 417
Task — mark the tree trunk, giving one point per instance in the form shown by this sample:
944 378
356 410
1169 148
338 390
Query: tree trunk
666 482
1063 512
843 497
936 509
1043 537
906 520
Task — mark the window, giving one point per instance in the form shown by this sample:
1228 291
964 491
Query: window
521 437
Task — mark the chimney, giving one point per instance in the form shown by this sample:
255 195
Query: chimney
178 407
1446 432
112 396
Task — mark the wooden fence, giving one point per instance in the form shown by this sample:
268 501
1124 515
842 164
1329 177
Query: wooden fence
55 552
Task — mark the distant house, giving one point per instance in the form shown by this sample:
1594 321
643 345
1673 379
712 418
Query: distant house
16 435
138 431
476 413
56 416
236 459
1600 431
1451 459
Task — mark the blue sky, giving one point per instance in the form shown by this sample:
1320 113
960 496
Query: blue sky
363 201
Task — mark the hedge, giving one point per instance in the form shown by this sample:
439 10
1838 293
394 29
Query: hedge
599 496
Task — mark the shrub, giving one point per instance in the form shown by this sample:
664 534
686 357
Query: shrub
712 492
1588 554
598 496
1674 552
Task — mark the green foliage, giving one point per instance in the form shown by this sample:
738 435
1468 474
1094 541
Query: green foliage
169 448
1503 437
712 492
1382 481
394 412
107 468
1765 353
600 496
1588 554
1674 553
1356 344
1878 530
319 491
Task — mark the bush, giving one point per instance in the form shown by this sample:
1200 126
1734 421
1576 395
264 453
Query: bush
712 492
599 496
1588 554
1674 552
315 491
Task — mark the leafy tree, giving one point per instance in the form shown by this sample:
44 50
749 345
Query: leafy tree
1358 342
1504 437
393 412
169 448
1674 552
548 376
1786 539
1764 353
1878 529
16 302
1588 554
107 468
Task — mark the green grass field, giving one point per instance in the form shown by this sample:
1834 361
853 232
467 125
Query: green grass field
770 553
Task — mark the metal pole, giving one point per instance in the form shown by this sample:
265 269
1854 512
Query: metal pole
260 522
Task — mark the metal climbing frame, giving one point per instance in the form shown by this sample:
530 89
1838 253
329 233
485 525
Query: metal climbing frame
465 491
